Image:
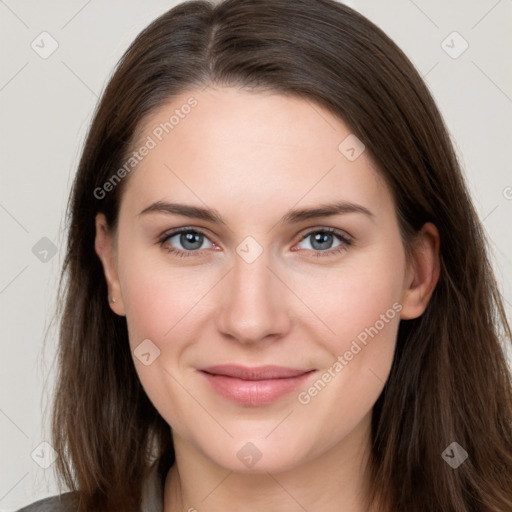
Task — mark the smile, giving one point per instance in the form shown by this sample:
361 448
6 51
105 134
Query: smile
254 386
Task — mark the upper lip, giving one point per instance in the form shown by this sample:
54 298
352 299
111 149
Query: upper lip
255 372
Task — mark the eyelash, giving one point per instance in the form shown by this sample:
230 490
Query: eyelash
346 242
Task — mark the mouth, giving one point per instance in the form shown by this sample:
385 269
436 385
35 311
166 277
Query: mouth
254 386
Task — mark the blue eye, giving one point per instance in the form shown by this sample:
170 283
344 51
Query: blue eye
321 242
192 241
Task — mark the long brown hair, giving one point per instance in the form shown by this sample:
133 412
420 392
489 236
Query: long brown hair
449 381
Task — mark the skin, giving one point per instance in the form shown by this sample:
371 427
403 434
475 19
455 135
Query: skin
253 157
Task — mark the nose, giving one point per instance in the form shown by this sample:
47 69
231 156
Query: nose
253 303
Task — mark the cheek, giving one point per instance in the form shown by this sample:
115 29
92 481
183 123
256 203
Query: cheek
370 309
159 305
160 300
363 314
362 294
360 304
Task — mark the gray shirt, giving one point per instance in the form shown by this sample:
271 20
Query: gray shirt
152 498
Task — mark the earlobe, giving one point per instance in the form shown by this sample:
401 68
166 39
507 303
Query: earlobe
104 246
423 273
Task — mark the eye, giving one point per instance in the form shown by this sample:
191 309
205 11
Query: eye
326 242
185 242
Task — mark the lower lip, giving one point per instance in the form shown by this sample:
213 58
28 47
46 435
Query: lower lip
254 392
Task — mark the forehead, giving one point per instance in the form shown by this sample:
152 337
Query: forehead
228 146
217 110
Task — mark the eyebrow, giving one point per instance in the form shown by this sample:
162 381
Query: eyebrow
291 217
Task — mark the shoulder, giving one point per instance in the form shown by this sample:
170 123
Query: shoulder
152 497
61 503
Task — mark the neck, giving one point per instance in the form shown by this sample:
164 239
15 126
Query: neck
335 481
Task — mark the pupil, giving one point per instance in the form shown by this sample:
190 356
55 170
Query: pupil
321 240
187 240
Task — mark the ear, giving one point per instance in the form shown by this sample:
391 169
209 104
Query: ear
422 272
105 247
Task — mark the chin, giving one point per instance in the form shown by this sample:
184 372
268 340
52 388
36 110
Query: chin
257 455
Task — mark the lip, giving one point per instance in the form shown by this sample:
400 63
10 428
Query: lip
254 386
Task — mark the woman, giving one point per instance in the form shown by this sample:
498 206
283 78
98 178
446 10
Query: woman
301 312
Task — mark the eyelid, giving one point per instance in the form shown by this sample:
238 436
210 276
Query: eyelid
346 240
325 229
185 229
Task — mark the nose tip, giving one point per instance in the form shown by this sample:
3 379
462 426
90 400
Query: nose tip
251 305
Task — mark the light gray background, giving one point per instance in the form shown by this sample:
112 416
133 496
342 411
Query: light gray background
46 106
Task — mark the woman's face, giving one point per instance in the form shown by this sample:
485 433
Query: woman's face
254 280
